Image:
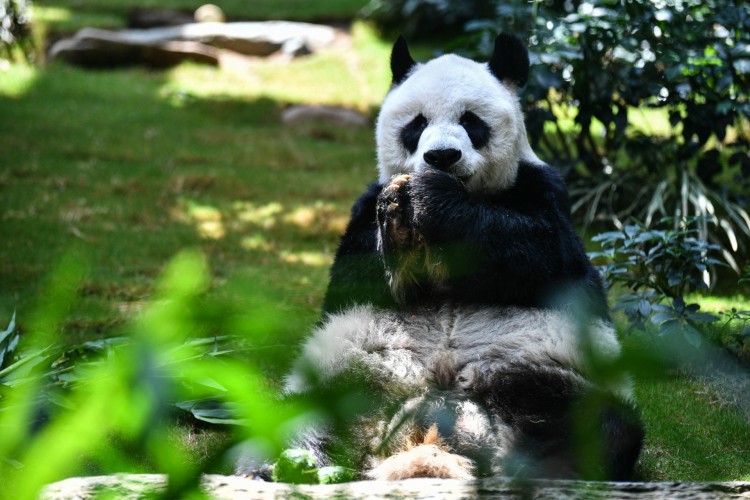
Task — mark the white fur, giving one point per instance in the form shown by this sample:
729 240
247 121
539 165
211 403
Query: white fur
442 90
356 336
478 341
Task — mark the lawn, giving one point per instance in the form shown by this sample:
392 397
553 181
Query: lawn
126 168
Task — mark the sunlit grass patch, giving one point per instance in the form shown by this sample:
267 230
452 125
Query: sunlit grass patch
718 303
106 159
17 79
69 18
691 433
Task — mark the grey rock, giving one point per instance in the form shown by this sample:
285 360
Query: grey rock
193 41
334 115
235 487
102 48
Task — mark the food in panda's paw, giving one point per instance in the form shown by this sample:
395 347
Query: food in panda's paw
393 216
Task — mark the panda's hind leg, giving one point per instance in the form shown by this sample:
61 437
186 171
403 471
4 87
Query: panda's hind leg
622 438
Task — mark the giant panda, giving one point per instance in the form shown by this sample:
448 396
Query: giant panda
462 300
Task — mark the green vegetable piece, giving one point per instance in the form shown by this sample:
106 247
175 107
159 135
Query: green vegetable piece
296 466
334 474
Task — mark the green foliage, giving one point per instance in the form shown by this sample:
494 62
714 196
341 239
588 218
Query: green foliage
106 406
669 261
659 267
735 333
426 18
8 342
299 466
110 405
334 474
296 466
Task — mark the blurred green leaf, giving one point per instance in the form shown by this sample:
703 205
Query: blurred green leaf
8 341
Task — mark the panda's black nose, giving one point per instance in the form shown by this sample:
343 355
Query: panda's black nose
442 159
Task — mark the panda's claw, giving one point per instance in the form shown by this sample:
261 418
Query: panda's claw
400 179
392 214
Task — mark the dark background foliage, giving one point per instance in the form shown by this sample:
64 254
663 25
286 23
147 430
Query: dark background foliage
643 104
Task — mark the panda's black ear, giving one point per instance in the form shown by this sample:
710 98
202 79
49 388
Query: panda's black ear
510 60
401 61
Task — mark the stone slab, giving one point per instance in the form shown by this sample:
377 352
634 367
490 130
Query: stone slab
235 487
161 46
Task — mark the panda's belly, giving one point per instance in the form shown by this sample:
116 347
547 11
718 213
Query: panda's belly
466 346
449 347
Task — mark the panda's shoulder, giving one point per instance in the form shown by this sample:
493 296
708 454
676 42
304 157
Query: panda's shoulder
365 204
538 177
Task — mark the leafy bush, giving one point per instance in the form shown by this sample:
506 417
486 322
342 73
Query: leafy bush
736 335
643 103
15 29
659 267
426 18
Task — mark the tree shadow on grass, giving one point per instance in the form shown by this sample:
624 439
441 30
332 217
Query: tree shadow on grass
118 164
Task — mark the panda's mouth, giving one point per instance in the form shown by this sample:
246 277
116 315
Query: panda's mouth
463 178
461 173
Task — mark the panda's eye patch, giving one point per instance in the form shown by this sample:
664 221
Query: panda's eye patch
476 128
411 133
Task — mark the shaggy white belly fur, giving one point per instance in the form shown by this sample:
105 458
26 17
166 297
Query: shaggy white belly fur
434 360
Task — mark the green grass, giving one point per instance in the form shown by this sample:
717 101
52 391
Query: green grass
692 433
128 167
132 166
70 15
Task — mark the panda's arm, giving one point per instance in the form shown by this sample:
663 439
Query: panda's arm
518 247
357 275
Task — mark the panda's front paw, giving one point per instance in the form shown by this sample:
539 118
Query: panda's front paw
403 247
394 216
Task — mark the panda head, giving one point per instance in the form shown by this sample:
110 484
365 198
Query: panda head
456 115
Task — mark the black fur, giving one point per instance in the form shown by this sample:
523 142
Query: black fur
476 128
401 61
357 274
564 402
510 60
411 133
514 247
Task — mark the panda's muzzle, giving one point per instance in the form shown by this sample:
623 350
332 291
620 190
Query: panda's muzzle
442 159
